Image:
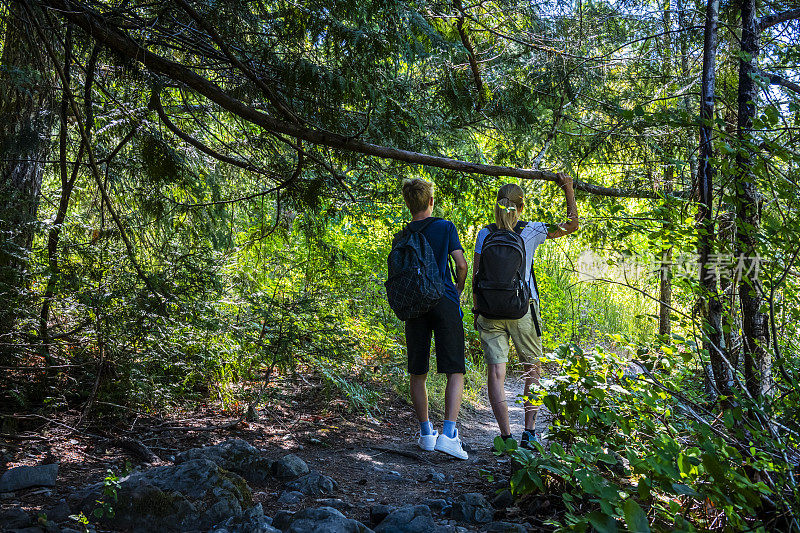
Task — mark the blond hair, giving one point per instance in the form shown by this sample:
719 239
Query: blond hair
506 214
417 193
509 206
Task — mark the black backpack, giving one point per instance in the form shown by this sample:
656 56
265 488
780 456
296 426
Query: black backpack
500 288
414 285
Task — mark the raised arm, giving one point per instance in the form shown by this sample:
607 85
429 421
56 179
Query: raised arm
565 228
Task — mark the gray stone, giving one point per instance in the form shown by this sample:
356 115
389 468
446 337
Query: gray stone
336 503
282 519
324 520
439 506
23 477
290 497
378 512
235 455
410 519
313 484
472 508
32 529
289 467
503 500
195 494
14 518
59 512
391 476
505 527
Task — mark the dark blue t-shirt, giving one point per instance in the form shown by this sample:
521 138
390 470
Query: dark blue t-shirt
443 238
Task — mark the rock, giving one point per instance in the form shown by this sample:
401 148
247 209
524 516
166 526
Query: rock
410 519
324 520
194 494
503 500
378 512
290 497
313 484
391 476
505 527
473 508
289 467
23 477
282 519
336 503
439 506
59 512
235 455
14 518
251 521
32 529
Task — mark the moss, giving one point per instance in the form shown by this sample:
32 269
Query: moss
245 494
156 503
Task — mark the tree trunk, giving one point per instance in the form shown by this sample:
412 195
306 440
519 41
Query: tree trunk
755 324
665 276
712 328
25 121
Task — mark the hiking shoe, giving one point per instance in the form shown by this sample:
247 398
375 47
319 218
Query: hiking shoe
506 440
428 442
527 441
450 446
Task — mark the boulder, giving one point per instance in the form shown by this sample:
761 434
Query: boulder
290 497
14 518
251 521
235 455
503 500
313 484
439 506
378 512
282 519
23 477
289 467
58 513
324 520
472 508
194 494
410 519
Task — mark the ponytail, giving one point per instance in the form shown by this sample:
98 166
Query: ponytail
506 214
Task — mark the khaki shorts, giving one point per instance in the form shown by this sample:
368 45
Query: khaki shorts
495 333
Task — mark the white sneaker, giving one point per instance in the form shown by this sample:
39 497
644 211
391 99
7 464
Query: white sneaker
450 446
428 442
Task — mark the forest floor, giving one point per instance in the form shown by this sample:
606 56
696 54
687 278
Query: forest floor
374 461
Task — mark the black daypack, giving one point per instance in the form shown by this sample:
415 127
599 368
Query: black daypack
500 288
414 285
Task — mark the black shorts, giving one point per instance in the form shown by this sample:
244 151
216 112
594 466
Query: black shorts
444 322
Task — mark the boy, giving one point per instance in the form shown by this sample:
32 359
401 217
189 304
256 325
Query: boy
443 321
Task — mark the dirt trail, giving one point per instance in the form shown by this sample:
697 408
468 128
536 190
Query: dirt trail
479 428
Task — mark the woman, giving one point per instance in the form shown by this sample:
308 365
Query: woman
497 327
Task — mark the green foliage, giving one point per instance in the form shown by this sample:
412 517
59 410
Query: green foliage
639 453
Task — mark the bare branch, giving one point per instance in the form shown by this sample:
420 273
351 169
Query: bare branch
776 18
776 79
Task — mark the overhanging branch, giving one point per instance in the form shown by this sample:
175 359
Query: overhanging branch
101 30
776 18
777 79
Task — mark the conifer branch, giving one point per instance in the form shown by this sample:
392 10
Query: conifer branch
118 41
